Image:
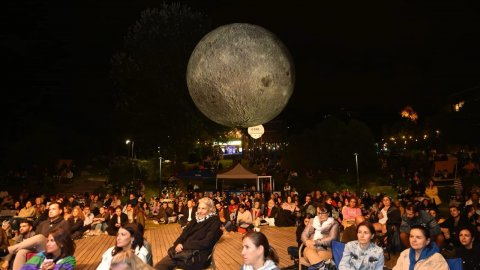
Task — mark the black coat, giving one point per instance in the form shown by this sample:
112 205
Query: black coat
273 213
111 229
200 236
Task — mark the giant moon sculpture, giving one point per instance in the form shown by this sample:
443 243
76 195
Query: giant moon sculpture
240 75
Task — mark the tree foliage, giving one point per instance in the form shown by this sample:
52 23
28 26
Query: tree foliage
151 96
331 147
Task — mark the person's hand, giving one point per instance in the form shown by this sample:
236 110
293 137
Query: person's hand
47 264
179 248
380 215
5 265
310 243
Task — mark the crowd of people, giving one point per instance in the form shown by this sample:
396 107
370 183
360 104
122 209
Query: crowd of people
410 226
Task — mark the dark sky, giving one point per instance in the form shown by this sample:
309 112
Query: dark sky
370 59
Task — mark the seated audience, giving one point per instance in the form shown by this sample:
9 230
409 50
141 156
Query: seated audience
257 253
37 242
362 253
422 254
58 253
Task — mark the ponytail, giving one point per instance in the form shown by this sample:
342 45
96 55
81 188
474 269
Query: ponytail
272 255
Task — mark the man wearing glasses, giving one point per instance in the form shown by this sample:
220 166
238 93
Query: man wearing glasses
318 235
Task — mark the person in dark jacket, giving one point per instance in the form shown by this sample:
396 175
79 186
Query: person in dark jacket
394 219
201 234
271 212
118 220
469 249
188 213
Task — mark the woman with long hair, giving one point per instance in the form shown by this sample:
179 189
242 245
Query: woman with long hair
257 253
350 212
76 222
362 253
423 254
129 237
432 192
58 253
469 249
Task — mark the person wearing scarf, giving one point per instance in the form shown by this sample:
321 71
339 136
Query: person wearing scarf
317 237
257 253
201 234
423 254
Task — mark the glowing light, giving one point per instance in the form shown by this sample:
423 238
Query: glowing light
458 106
409 113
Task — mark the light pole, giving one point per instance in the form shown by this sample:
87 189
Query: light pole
160 160
356 163
127 142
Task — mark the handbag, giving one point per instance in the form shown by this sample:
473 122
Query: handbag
188 256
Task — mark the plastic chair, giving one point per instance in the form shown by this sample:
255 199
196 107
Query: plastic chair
337 251
455 264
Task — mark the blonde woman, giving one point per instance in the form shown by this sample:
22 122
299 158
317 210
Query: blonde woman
76 222
127 260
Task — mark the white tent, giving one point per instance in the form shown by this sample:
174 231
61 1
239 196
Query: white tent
239 172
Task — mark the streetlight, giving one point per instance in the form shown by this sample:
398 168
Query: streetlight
356 163
160 159
133 143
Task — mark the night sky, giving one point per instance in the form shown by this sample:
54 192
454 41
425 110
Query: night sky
369 59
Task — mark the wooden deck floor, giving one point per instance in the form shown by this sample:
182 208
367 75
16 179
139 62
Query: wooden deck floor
227 253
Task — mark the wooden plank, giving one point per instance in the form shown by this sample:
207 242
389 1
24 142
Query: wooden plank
227 252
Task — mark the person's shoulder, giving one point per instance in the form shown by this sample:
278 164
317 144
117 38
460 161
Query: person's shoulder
376 249
108 252
404 253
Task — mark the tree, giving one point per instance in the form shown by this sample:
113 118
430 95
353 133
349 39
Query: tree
331 147
151 97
